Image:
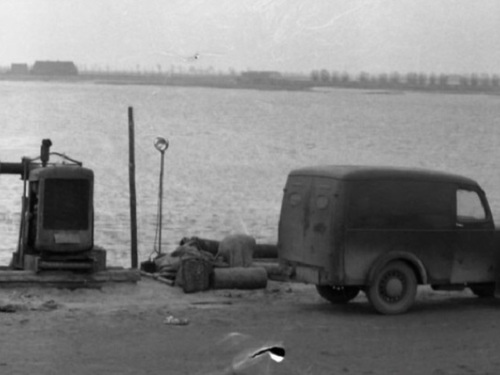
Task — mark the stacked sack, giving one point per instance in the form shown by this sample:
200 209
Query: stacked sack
197 264
189 265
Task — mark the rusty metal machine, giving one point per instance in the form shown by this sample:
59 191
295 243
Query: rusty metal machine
57 215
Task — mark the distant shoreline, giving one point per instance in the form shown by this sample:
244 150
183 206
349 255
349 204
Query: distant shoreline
235 82
222 82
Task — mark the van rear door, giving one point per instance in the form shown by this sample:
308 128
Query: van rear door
305 234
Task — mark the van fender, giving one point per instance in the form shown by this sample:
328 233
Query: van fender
404 256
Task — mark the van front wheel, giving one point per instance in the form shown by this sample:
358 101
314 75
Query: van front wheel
337 294
393 289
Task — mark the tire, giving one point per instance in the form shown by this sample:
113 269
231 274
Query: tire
393 289
337 294
483 290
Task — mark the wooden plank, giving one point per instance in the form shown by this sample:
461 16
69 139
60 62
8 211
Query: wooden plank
157 277
69 278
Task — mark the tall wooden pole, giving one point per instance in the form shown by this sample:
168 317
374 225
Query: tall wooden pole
133 201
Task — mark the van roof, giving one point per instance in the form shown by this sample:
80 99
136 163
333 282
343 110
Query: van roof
359 172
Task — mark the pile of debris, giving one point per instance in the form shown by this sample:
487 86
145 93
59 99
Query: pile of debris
200 264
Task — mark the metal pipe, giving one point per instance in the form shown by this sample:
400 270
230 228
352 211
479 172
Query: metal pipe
45 151
11 168
161 144
160 199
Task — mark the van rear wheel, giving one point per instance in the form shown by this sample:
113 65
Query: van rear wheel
337 294
393 289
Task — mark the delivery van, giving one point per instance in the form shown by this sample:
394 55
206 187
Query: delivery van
384 231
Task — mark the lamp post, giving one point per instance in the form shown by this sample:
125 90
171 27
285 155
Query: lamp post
161 144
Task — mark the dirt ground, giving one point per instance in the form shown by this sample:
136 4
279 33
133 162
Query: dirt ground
123 329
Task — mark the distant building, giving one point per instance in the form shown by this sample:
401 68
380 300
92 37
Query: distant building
54 68
19 69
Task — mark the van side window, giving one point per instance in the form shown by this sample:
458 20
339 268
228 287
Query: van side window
469 206
401 205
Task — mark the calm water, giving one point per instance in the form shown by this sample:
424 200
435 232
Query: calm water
230 150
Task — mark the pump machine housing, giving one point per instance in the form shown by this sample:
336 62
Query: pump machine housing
57 218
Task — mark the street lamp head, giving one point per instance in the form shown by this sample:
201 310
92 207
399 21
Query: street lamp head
161 144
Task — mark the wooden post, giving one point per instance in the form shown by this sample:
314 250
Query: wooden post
133 201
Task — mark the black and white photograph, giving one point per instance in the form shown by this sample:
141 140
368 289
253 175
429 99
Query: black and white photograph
264 187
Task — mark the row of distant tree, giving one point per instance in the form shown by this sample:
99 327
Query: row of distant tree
411 79
323 77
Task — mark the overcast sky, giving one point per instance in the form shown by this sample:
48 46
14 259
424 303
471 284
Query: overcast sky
448 36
